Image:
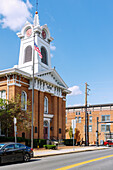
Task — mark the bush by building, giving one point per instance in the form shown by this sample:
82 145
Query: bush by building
69 142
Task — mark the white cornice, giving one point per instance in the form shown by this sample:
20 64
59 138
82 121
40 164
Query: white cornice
14 71
14 84
48 116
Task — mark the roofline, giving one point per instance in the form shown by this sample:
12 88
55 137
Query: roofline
89 106
14 71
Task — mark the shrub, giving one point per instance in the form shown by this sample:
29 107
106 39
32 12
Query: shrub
49 146
69 142
11 139
36 142
42 142
28 142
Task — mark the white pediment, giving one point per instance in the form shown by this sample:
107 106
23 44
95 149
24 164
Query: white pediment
52 77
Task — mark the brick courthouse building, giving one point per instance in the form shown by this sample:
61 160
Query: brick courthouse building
49 89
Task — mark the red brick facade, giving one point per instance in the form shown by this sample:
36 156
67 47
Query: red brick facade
56 106
94 111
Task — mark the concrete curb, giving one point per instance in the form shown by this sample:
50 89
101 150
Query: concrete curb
40 156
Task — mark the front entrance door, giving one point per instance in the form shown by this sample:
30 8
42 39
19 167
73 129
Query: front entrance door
45 132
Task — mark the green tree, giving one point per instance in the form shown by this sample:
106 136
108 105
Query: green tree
11 109
70 132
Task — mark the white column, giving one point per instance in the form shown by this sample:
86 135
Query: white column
7 88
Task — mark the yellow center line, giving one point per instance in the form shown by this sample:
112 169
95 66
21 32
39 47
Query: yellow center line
85 162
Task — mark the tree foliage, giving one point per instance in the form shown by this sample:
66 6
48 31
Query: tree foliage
11 109
70 132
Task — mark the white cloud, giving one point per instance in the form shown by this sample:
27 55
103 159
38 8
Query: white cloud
75 90
14 13
52 47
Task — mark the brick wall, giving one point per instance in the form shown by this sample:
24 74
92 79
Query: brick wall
71 114
56 107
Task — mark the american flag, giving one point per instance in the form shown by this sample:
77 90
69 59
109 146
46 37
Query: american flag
37 49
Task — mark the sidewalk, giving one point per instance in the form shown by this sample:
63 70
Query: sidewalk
65 150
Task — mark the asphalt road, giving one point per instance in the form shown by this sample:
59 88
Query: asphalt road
91 160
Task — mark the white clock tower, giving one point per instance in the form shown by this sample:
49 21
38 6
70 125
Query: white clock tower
42 39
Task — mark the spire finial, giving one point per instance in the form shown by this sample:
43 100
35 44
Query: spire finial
36 6
36 18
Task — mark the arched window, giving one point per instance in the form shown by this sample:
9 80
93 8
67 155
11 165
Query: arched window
28 54
24 100
3 94
45 105
44 56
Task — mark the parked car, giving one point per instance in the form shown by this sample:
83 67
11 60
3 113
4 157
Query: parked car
108 142
12 152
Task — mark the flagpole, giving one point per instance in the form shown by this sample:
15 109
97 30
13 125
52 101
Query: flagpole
32 93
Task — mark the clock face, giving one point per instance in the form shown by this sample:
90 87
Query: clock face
43 34
29 32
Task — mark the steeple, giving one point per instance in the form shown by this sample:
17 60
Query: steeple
36 19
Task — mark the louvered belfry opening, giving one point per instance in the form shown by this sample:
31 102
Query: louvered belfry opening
44 56
28 54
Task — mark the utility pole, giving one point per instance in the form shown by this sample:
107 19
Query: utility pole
97 131
86 116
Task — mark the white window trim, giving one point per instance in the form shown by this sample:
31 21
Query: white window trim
45 98
25 100
1 94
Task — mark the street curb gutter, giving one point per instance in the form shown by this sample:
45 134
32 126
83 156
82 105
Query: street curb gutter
40 156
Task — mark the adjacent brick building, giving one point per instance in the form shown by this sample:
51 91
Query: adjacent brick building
49 89
105 114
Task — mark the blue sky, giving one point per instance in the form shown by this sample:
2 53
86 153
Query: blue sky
83 37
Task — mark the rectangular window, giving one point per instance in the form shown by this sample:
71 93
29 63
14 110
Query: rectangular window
76 119
79 119
90 128
105 118
90 112
77 113
90 119
105 128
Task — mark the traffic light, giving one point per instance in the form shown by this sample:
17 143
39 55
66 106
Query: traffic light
99 133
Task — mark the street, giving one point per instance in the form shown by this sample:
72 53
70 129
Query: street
102 159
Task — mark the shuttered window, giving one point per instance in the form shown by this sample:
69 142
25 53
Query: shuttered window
28 54
44 56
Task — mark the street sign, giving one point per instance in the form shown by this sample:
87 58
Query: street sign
73 125
15 128
73 121
15 121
